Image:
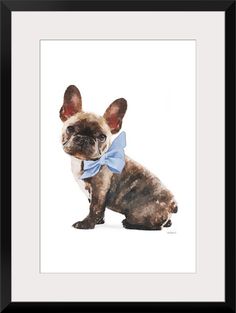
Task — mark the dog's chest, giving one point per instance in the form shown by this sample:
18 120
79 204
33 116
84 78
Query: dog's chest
76 167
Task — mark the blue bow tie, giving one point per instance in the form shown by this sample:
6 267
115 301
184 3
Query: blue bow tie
114 159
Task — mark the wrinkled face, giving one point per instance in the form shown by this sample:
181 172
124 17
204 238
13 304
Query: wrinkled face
86 136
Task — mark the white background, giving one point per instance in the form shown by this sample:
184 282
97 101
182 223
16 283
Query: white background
157 78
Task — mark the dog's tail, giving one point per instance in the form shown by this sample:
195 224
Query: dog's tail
173 206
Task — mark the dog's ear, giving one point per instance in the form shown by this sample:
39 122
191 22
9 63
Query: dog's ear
72 103
115 113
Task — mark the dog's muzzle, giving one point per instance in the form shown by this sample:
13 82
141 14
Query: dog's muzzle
83 141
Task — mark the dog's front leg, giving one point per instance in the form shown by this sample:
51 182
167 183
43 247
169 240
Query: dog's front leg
99 186
96 213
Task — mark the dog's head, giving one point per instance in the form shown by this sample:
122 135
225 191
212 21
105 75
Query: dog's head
87 136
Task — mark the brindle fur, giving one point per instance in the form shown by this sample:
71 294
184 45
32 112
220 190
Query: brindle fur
136 193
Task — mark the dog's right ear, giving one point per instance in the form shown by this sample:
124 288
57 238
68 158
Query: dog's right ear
72 103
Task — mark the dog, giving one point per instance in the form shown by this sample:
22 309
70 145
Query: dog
131 189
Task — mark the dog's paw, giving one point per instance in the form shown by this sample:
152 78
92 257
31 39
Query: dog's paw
168 224
83 225
101 221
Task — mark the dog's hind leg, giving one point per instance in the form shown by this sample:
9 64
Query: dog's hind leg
127 225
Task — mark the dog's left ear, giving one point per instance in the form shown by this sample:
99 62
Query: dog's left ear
72 103
115 113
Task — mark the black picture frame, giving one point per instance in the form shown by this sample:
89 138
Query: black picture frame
7 7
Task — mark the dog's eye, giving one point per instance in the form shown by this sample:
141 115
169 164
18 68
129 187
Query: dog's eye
70 129
102 137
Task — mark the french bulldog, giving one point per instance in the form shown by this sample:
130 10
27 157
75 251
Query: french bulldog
134 192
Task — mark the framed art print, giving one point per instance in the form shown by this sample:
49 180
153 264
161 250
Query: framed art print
117 151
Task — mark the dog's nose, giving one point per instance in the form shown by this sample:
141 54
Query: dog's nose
83 140
80 140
